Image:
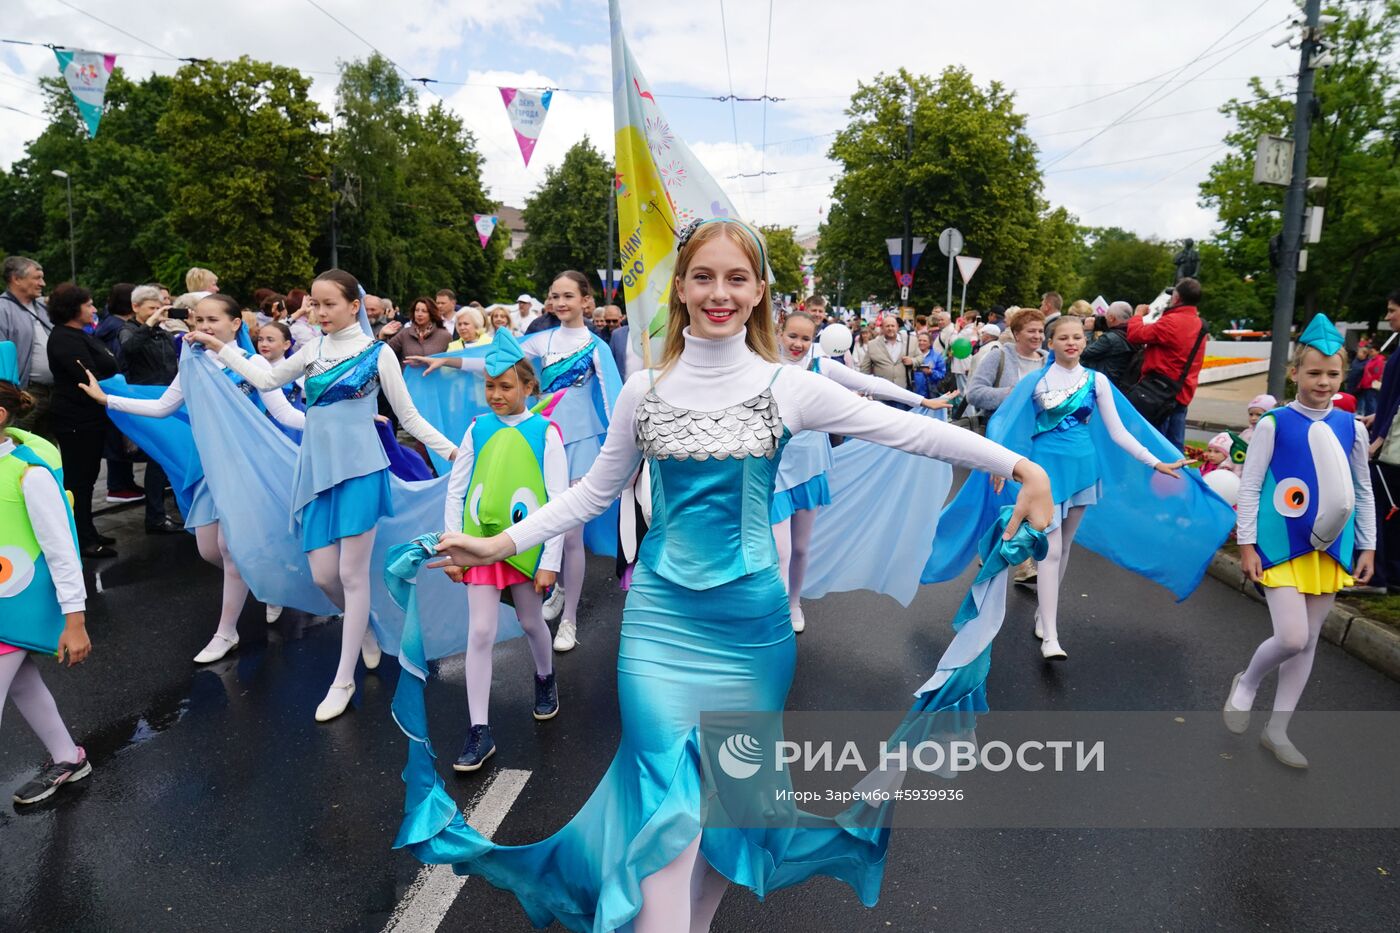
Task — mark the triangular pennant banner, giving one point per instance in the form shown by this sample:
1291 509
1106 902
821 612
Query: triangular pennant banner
485 226
660 188
86 74
527 110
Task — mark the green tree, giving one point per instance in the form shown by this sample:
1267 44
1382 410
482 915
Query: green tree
973 166
567 216
1123 267
1057 254
120 187
1355 144
785 256
248 192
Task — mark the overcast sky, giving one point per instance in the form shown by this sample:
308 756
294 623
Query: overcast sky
1075 65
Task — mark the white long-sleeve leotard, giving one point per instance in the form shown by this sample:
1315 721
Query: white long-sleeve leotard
342 344
174 396
556 482
43 500
1058 379
856 381
1256 465
550 346
714 374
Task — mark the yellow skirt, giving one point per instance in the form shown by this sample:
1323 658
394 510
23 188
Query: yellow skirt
1312 573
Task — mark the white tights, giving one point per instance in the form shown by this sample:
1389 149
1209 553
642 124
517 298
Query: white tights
341 569
793 536
20 681
483 604
571 574
214 549
1297 622
681 896
1050 572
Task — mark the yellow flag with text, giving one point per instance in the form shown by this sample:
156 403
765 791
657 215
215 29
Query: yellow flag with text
660 188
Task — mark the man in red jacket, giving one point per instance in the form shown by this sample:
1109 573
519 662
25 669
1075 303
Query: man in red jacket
1169 340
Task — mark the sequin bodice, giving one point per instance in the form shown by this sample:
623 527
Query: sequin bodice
712 475
751 428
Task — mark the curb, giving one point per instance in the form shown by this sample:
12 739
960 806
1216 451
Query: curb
1365 639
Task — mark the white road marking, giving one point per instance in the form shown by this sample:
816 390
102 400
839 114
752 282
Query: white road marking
436 887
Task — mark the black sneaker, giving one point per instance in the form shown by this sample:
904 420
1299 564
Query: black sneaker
164 527
53 776
546 697
480 746
104 539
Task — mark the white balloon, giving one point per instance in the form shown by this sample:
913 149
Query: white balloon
1225 484
836 339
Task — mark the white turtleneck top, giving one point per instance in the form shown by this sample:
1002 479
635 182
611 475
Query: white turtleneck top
842 375
714 374
48 516
1059 379
1256 465
341 345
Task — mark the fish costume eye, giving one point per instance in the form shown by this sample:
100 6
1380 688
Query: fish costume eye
523 503
474 503
1291 497
16 570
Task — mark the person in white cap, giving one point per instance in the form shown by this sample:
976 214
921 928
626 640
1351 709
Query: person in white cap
526 311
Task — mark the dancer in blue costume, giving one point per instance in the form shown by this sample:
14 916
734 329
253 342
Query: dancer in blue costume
1306 513
574 362
341 488
706 625
218 316
802 487
42 594
1148 518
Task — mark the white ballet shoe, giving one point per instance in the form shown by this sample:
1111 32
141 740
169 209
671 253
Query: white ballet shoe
1050 650
1236 719
370 651
1039 631
1283 750
273 613
554 605
336 701
218 646
799 622
567 636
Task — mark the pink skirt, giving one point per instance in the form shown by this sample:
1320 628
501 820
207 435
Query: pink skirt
499 575
8 649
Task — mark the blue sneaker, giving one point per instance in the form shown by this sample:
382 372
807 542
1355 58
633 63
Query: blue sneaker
546 697
480 746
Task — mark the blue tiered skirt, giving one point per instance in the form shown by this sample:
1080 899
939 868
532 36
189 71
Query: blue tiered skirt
681 651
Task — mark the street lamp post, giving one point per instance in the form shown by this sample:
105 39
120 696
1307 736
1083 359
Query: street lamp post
72 247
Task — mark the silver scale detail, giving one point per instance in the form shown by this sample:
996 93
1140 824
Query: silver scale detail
752 428
1050 399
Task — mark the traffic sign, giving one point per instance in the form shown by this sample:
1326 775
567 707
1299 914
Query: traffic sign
967 266
950 242
904 293
906 280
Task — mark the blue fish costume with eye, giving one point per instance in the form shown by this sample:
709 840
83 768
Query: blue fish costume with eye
1307 503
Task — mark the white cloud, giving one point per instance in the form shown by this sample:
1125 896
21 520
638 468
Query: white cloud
1057 57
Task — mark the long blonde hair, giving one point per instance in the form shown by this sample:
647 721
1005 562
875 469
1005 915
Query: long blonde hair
761 335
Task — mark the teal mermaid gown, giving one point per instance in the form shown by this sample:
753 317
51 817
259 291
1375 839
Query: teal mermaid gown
705 627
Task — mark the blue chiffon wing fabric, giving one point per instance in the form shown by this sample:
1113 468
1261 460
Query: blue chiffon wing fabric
878 530
404 462
450 398
168 440
1163 528
250 469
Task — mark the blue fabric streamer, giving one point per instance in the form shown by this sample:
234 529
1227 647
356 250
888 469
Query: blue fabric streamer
167 440
250 466
849 550
1160 527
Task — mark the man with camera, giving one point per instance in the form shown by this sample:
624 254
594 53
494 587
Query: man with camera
1171 364
150 356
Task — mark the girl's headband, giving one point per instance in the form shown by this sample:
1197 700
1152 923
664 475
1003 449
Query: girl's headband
689 231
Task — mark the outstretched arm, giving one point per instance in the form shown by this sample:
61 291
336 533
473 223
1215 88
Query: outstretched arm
391 381
273 375
169 402
869 385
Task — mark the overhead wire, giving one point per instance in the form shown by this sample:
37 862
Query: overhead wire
763 149
129 35
733 113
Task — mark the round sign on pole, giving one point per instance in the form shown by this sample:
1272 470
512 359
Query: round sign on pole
950 242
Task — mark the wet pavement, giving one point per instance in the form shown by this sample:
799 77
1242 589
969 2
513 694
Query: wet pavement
217 803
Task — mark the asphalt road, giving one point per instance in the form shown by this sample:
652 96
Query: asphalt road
218 804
